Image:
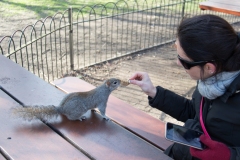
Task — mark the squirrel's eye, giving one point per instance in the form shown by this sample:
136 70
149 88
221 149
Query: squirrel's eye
115 82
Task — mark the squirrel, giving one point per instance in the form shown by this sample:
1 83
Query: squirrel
73 105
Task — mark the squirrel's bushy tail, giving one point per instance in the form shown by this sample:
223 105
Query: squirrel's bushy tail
30 113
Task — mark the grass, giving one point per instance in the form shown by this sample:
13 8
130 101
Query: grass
42 8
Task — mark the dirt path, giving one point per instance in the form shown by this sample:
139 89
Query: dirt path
8 25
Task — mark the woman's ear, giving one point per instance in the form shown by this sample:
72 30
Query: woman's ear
210 68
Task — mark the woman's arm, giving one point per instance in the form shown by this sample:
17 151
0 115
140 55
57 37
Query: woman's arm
173 104
163 99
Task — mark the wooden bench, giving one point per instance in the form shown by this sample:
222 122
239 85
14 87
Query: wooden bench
93 138
138 122
225 6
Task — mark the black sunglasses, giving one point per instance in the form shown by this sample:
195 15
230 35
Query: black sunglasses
188 65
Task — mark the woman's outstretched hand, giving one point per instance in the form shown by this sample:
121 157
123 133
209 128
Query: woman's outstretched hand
142 80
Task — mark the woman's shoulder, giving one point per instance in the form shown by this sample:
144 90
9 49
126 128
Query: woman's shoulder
232 91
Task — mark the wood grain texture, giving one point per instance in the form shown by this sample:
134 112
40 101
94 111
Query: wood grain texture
121 112
24 140
225 6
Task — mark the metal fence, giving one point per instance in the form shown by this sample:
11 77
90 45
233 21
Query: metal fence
77 38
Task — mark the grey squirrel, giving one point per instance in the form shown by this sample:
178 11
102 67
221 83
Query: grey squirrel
73 105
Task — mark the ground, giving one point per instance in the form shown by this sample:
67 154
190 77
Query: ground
160 63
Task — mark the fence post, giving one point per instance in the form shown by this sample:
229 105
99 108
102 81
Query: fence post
70 19
183 8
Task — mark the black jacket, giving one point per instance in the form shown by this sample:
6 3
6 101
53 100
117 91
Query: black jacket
221 116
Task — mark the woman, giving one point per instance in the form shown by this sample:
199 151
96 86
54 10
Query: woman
208 49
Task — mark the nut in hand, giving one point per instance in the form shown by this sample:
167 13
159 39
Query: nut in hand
125 83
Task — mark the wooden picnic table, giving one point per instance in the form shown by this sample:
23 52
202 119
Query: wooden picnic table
126 136
225 6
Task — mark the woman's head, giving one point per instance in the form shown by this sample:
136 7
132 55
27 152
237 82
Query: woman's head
212 39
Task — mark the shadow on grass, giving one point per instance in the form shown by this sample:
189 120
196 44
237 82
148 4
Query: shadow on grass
44 9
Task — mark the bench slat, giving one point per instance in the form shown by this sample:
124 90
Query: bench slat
225 6
27 141
121 112
101 139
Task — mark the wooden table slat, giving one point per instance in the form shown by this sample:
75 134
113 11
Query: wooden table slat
225 6
121 112
25 140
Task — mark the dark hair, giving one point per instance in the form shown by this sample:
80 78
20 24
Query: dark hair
209 37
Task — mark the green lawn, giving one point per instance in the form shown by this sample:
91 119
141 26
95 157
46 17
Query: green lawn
42 8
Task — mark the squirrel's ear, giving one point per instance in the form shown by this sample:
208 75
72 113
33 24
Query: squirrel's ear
108 83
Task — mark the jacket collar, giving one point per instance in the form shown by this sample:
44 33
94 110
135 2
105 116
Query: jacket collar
232 89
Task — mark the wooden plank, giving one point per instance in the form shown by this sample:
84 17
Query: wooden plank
131 118
101 139
225 6
106 140
31 141
18 80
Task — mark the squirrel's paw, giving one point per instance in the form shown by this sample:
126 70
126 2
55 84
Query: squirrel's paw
82 118
106 118
93 110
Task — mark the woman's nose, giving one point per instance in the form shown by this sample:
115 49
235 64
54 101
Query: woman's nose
178 63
